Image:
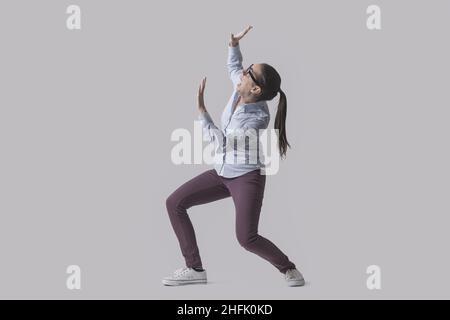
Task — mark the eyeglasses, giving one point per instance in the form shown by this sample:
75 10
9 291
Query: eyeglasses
250 71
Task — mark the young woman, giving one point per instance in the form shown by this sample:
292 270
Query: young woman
246 111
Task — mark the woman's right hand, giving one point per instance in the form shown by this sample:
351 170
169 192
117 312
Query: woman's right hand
234 41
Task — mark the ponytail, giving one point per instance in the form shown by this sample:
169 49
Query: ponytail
271 87
280 124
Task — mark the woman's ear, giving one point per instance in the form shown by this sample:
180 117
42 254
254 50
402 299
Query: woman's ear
256 90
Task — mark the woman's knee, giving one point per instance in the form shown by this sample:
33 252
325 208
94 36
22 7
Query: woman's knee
176 201
246 240
172 202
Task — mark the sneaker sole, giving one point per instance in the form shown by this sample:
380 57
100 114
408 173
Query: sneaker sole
296 283
183 282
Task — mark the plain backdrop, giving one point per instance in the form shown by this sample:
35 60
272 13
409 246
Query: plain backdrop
85 168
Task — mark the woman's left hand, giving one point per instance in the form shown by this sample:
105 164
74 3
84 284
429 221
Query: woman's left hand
201 100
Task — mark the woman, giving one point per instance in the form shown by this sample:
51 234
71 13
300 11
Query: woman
246 112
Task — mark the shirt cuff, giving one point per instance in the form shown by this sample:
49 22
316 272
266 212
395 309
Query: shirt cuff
204 116
235 50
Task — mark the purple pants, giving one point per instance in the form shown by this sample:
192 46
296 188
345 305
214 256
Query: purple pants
247 192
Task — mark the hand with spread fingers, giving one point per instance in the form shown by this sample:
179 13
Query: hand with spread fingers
234 41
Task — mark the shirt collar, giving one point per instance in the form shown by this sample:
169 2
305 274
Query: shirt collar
253 106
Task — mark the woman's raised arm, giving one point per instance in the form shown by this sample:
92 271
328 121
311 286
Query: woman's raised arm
234 62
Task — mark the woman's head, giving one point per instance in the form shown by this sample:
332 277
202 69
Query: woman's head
262 82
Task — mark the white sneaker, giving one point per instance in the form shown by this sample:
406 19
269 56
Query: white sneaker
294 278
185 276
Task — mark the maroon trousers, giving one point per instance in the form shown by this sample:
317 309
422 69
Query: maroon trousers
247 192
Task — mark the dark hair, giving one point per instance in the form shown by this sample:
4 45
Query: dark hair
271 82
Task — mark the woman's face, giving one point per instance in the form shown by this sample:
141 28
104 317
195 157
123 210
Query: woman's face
247 87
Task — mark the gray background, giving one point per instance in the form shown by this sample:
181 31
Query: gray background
85 124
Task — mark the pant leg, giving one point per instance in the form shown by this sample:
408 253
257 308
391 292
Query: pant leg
247 192
204 188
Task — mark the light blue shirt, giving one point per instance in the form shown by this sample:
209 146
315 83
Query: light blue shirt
238 147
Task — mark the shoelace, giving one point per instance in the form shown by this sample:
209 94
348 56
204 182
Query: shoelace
181 271
290 274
